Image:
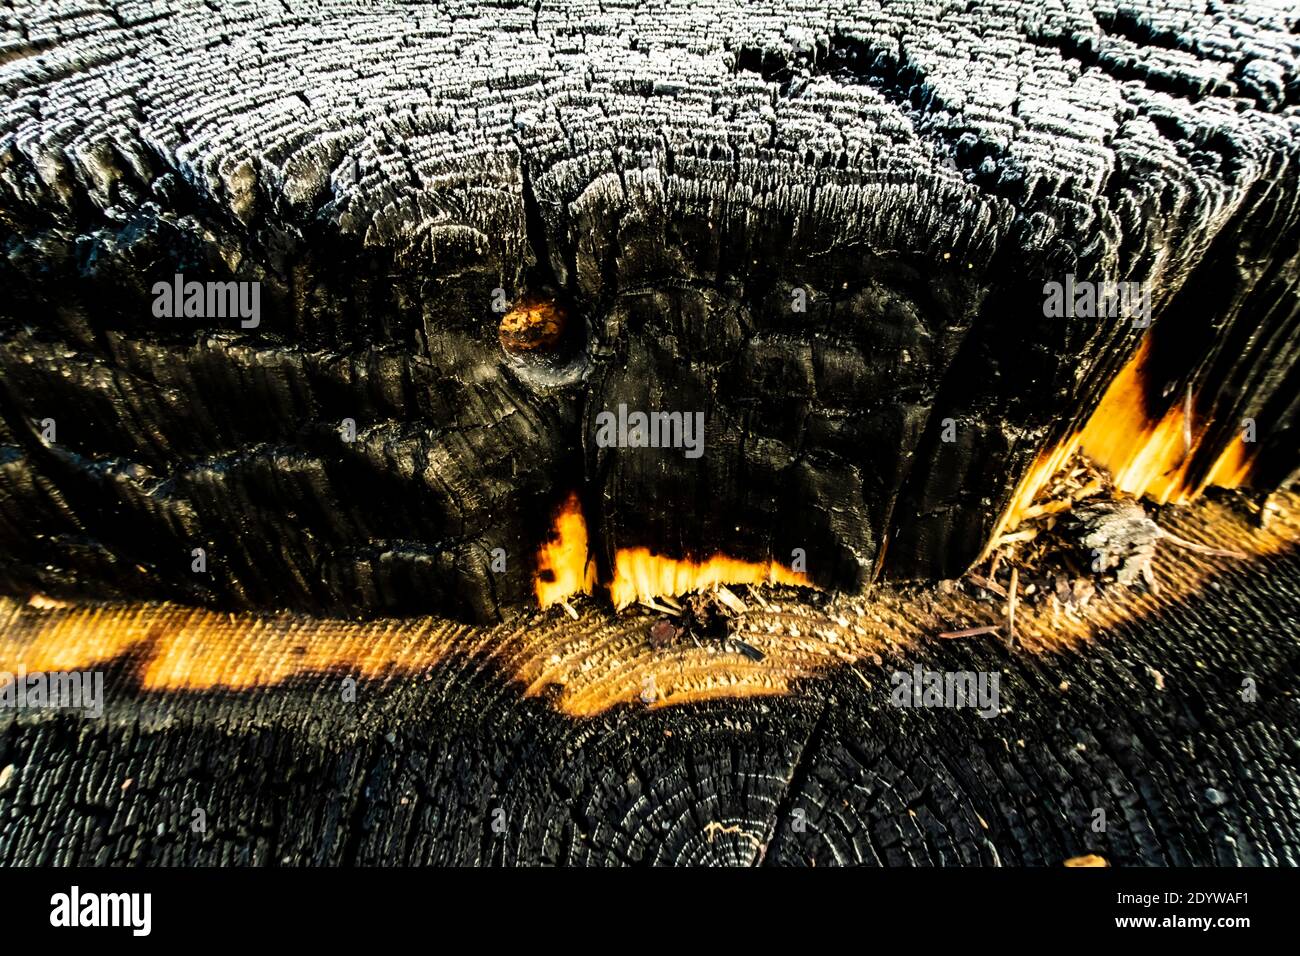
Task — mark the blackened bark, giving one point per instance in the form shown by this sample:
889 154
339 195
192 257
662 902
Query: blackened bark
680 179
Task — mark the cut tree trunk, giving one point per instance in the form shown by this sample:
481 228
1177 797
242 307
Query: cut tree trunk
824 228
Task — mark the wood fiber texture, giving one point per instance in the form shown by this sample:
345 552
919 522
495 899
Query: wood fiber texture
675 175
536 743
1148 724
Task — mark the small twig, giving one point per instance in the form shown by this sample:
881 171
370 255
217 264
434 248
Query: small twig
568 609
1200 548
993 564
1028 534
1011 607
1187 421
1062 504
728 597
971 631
987 585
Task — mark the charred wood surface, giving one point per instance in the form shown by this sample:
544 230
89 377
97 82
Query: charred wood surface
1148 724
675 178
1163 730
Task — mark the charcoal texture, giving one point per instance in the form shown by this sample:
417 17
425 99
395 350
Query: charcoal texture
1147 724
824 226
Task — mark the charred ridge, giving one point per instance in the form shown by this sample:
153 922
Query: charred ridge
885 68
676 184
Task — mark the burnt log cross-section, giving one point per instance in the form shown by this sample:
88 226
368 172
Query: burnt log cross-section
535 742
326 308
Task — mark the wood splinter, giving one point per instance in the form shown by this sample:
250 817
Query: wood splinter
970 631
1011 607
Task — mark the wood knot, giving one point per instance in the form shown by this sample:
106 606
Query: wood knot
535 326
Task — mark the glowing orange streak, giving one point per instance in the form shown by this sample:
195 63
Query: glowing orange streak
1144 458
1149 459
640 575
564 565
565 568
178 648
601 660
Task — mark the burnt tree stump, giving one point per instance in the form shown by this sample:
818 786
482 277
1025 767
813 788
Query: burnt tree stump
826 229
